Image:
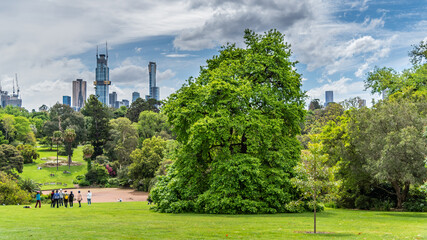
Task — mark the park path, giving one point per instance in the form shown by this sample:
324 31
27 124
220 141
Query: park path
108 194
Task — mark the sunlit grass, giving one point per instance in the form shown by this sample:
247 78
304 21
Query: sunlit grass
43 175
134 220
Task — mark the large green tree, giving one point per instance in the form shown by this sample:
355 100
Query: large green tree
237 123
153 124
11 160
145 162
99 128
124 139
379 147
62 117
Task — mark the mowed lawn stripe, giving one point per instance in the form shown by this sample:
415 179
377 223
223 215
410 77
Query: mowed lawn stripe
134 220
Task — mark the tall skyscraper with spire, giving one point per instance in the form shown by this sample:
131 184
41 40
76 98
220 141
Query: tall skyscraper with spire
102 78
153 89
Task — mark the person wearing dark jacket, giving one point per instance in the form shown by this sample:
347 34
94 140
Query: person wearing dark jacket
71 199
52 199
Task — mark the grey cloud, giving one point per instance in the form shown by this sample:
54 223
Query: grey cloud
230 18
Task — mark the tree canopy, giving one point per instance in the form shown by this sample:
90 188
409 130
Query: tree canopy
237 123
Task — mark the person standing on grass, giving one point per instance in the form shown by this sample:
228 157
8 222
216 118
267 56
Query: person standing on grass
66 198
79 198
89 198
71 199
61 197
38 198
56 198
52 199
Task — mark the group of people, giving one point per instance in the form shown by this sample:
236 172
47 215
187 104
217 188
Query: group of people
63 198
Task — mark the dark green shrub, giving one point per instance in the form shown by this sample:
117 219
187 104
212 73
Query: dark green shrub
97 175
84 183
113 182
363 202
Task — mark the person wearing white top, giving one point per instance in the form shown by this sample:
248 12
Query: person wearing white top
89 198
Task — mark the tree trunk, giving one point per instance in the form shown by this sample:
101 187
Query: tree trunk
69 161
56 157
315 212
399 195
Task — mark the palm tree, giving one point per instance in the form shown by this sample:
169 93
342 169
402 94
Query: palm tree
57 138
69 137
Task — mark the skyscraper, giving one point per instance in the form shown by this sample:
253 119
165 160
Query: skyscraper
329 97
153 89
135 95
113 100
66 100
79 94
102 78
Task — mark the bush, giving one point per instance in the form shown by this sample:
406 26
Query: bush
113 182
28 152
11 193
417 202
102 159
123 177
29 185
84 183
97 175
362 202
80 177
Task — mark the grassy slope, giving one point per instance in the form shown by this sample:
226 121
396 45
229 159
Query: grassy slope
133 220
43 176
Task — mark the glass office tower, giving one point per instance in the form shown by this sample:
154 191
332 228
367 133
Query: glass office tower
102 78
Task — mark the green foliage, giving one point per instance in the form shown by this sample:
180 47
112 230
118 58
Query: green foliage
140 105
64 117
120 112
29 185
69 136
145 162
152 124
102 159
11 161
87 150
98 129
97 175
241 117
10 192
124 139
28 152
314 104
419 53
393 158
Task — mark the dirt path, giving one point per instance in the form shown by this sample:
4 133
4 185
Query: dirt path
109 194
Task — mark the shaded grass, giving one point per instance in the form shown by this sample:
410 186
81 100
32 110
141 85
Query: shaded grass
43 175
134 220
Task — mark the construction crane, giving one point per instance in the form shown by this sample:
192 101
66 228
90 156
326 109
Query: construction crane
17 86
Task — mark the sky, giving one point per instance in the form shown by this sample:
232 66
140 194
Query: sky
50 43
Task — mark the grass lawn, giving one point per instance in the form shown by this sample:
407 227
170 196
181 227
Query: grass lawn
43 175
134 220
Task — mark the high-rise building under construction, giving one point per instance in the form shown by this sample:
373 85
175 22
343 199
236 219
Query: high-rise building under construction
102 78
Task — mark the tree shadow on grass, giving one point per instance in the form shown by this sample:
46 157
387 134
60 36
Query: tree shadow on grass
326 235
323 214
406 214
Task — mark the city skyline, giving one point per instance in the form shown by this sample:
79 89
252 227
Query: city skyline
336 43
